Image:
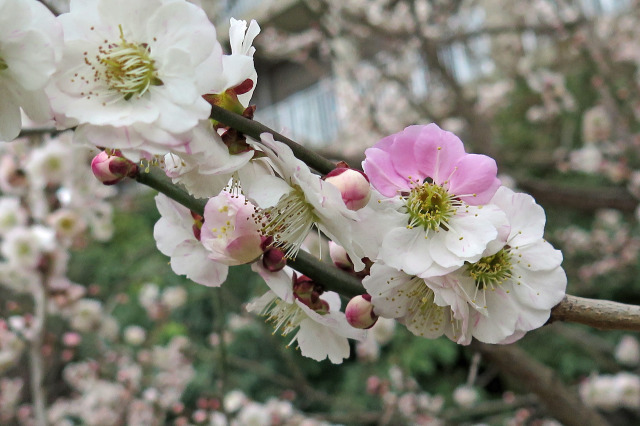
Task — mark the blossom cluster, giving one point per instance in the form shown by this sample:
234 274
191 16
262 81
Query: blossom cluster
452 253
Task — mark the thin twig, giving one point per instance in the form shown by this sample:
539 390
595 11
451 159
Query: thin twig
255 129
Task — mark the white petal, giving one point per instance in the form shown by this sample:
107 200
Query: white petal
190 259
318 342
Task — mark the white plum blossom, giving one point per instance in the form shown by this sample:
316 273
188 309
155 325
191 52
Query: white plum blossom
407 298
239 66
174 297
30 48
175 237
609 392
86 315
133 73
628 351
465 396
322 330
299 201
510 290
51 163
209 164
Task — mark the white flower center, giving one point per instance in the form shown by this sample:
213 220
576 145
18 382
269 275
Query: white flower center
491 271
422 312
288 222
285 316
126 67
430 206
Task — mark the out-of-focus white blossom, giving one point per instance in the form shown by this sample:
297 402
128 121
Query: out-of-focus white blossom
465 396
628 351
86 315
174 297
134 335
611 392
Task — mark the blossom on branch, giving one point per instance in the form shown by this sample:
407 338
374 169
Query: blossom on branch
510 290
134 72
297 201
30 48
439 191
295 303
177 235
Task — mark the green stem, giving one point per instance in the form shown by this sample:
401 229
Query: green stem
329 276
254 129
157 180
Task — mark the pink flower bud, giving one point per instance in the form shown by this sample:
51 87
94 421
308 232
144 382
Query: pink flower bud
359 312
274 260
112 168
353 185
340 257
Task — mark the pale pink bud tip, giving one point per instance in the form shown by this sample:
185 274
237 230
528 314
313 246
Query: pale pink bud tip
359 312
353 185
112 168
340 257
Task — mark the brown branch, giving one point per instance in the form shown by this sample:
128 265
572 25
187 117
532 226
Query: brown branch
601 314
561 402
579 198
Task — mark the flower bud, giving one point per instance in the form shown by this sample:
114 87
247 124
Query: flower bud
359 312
353 185
340 257
112 168
274 260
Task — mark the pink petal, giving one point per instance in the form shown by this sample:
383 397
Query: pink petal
474 179
382 175
437 151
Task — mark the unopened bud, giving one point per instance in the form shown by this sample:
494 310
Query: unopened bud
353 185
340 257
112 168
359 312
303 288
274 260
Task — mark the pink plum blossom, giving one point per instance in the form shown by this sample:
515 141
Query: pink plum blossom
174 234
229 233
437 191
